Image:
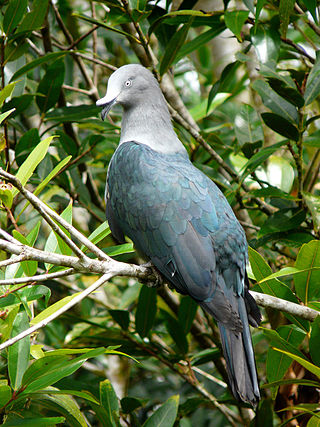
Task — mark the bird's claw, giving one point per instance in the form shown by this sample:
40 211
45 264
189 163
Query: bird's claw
158 278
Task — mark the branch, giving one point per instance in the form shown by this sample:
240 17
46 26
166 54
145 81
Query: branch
37 278
286 306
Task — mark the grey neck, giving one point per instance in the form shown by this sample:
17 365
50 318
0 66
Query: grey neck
149 123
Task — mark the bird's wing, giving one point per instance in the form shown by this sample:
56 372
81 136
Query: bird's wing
168 208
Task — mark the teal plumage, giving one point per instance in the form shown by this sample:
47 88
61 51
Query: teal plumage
179 219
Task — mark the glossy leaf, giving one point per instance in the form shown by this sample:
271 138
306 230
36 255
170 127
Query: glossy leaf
5 394
110 402
283 87
266 41
33 421
50 86
99 234
18 353
186 313
30 266
176 330
73 114
313 203
33 20
313 82
29 165
314 341
6 92
125 248
276 340
3 116
276 103
28 294
281 126
164 416
146 310
311 5
309 366
173 47
13 15
285 11
307 283
248 129
235 20
121 317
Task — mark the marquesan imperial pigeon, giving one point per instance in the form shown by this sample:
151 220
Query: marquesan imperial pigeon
179 219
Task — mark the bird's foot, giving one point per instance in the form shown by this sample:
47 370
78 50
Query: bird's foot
157 281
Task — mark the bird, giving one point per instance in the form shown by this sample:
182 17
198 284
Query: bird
179 219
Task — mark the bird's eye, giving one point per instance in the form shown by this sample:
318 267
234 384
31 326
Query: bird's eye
128 83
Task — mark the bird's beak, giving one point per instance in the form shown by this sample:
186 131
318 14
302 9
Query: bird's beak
107 102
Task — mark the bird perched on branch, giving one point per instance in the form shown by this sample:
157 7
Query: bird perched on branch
179 219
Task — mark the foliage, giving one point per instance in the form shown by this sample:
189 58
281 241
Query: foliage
253 128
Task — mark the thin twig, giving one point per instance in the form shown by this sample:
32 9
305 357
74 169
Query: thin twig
38 277
13 260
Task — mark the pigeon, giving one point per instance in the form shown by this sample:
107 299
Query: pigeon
180 220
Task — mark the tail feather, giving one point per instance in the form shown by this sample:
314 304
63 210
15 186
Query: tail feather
238 353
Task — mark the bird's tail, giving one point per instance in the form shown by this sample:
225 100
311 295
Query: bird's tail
239 356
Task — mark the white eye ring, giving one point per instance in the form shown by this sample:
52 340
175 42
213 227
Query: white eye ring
128 83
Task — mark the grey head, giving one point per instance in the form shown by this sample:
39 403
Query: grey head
146 118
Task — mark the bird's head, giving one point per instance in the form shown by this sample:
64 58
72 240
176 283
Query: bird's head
128 86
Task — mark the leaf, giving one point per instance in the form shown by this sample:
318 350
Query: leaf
266 42
30 266
51 175
73 114
201 110
302 381
15 11
6 197
186 313
164 416
177 333
29 165
280 174
50 86
110 402
281 126
99 234
285 11
248 129
276 103
6 92
125 248
313 203
33 20
146 310
33 421
3 116
311 5
314 341
54 242
45 59
19 352
273 287
313 82
283 87
121 317
49 369
199 41
5 394
235 20
307 283
309 366
174 46
281 343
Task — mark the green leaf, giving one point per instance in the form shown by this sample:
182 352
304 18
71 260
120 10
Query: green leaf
273 287
201 110
266 41
235 20
313 82
99 234
33 421
278 364
50 86
5 394
314 421
314 341
73 114
6 196
259 6
309 366
29 165
283 87
146 310
311 5
45 59
110 402
19 352
302 381
6 92
51 175
129 404
125 248
281 126
275 102
15 11
248 129
30 266
307 283
27 294
199 41
285 11
34 19
54 242
174 46
49 369
3 116
313 203
177 333
186 313
164 416
281 343
121 317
